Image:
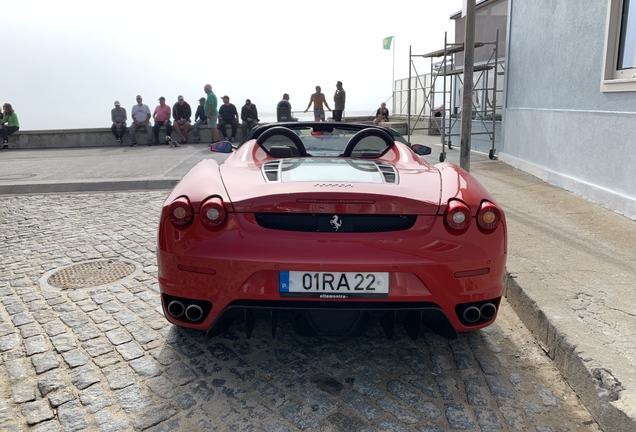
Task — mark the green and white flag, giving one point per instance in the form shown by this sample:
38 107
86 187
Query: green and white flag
386 42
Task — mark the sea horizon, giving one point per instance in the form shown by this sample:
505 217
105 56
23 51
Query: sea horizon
264 117
270 116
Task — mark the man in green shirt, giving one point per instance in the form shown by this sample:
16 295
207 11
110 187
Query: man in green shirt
212 111
9 124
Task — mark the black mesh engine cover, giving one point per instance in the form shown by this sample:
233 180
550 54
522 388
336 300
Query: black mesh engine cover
349 223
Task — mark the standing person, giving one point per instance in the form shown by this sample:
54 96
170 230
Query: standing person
382 114
199 119
118 116
141 118
161 116
249 115
339 102
228 115
9 124
318 99
211 111
182 112
284 110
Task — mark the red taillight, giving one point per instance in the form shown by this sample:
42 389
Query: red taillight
212 212
488 216
457 215
180 212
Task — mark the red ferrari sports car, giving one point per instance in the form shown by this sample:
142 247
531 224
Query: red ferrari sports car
330 225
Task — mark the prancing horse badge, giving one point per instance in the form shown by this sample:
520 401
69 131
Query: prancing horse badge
335 222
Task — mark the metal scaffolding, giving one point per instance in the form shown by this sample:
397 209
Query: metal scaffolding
441 118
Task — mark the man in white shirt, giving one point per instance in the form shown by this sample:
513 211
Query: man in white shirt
141 119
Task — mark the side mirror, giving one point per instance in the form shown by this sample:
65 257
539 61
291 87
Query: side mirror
420 149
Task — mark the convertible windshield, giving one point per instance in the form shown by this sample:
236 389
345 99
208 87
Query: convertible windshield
322 139
325 143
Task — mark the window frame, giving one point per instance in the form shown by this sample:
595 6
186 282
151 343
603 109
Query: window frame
613 79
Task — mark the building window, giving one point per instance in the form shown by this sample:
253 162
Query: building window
627 39
619 68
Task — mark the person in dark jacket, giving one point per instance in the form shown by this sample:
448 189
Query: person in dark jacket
228 115
249 115
284 110
181 112
199 119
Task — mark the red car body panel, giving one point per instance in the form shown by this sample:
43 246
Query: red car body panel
241 260
251 194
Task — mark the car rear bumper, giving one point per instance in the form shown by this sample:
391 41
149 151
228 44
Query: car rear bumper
336 319
433 275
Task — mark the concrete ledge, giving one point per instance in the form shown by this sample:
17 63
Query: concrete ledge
98 137
399 126
87 186
613 408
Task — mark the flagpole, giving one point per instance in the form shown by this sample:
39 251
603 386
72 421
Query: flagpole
389 43
393 75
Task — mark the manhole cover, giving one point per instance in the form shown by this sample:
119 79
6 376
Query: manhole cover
90 274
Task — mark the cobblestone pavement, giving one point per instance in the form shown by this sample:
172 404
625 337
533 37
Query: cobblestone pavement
107 360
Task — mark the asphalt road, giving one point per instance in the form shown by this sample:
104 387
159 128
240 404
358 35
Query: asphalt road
106 359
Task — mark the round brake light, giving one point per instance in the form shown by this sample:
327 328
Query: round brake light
457 215
488 216
180 211
459 218
213 212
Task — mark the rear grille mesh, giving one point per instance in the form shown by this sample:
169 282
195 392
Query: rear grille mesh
333 323
388 171
335 223
271 170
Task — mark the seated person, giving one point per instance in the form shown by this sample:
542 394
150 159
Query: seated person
182 112
118 117
199 119
249 115
228 116
382 114
141 119
162 118
8 123
284 110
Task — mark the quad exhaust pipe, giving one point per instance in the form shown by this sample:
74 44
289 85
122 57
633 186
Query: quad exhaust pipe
191 312
194 313
176 308
487 310
472 314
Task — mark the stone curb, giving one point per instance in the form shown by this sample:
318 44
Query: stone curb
96 186
613 415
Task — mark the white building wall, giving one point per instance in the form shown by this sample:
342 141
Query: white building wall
558 125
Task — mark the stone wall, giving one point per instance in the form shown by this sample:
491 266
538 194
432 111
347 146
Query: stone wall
97 137
103 137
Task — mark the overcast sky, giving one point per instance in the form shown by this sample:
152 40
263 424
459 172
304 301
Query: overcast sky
66 61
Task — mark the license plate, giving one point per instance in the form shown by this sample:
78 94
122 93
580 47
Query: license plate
334 284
